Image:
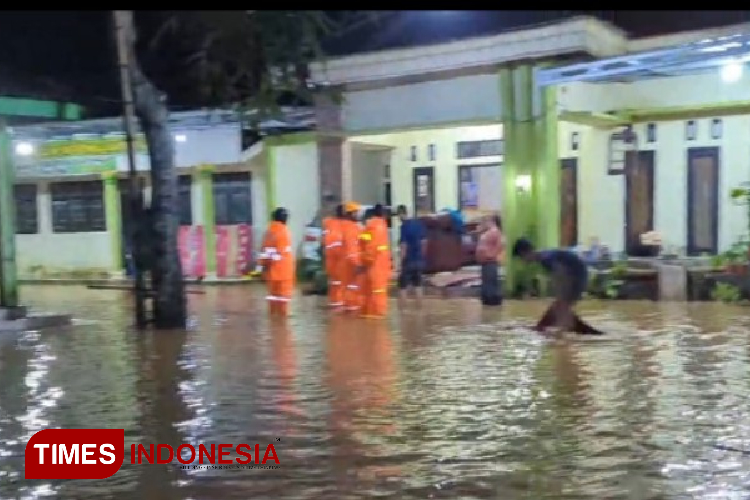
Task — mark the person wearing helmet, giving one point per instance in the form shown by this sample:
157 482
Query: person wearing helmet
351 255
278 263
376 263
332 248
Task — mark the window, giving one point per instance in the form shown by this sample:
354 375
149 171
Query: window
431 153
413 153
651 132
77 207
477 149
691 130
26 209
185 200
479 188
232 198
575 141
716 128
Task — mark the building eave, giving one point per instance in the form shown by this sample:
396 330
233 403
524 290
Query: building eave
577 35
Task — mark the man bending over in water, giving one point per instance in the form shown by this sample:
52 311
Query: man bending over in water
569 278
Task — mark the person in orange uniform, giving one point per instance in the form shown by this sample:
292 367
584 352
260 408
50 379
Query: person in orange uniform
332 246
376 262
351 258
278 264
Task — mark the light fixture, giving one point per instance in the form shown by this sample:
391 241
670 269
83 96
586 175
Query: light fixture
731 71
24 149
523 182
180 138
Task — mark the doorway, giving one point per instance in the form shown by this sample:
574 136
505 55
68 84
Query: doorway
424 191
703 200
569 202
639 200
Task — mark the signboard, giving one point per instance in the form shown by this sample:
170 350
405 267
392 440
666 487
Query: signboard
223 244
245 249
70 166
111 146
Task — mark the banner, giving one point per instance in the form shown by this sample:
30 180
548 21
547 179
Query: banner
198 253
244 250
106 146
183 246
223 243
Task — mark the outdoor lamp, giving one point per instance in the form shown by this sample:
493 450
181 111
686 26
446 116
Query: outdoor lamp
24 149
731 71
523 183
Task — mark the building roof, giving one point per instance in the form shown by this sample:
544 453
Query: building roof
575 36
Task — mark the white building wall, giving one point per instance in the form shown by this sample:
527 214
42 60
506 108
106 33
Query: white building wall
297 185
473 97
48 252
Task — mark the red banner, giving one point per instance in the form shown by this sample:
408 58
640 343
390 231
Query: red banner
223 243
183 246
244 249
198 253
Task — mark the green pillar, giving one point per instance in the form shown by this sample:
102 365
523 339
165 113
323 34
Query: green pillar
529 116
270 179
8 271
113 215
547 173
206 182
509 192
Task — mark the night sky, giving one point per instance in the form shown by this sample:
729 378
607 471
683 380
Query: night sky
71 53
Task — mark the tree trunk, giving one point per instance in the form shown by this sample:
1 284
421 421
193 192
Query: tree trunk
170 308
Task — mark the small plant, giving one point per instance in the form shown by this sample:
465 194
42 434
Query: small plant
718 261
726 293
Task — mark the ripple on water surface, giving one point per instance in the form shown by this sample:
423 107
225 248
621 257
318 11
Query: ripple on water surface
448 402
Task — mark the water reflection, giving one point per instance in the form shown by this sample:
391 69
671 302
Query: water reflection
450 401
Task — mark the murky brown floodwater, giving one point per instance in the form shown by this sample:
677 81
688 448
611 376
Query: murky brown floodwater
450 402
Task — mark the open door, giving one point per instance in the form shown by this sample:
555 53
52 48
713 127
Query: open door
702 200
569 202
639 199
424 191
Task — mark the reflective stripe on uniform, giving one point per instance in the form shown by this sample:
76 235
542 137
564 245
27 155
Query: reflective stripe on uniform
352 287
382 248
334 244
274 298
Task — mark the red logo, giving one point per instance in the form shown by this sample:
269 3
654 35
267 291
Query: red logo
74 453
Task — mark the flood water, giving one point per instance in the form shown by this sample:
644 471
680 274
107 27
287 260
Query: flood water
450 402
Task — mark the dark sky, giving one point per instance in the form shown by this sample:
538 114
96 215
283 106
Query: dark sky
72 52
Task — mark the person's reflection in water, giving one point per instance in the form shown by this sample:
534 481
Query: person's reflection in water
284 355
361 374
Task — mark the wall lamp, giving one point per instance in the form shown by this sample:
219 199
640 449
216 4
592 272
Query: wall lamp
523 183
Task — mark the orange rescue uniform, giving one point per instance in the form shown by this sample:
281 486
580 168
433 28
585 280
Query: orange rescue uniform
351 261
278 263
333 247
376 259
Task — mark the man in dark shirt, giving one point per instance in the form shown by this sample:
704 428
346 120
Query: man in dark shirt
569 279
412 245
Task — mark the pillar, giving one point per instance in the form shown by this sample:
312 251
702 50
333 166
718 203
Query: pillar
8 270
270 180
113 217
206 183
331 150
529 116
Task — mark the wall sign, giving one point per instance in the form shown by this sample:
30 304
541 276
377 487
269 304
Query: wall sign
89 147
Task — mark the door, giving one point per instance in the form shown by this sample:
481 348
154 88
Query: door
639 198
424 191
569 202
702 200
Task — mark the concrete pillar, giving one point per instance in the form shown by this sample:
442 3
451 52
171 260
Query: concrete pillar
529 118
206 183
331 154
271 167
113 216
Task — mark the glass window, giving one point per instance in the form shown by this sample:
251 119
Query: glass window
232 198
185 200
26 209
478 149
77 207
